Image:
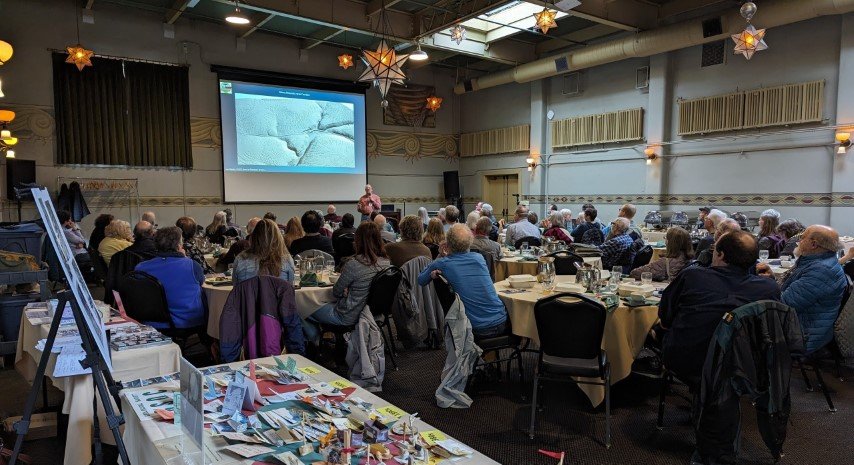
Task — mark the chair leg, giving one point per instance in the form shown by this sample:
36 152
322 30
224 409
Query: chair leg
607 406
521 374
534 406
804 374
387 325
820 381
665 384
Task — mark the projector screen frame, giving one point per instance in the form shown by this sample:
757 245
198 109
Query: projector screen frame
284 80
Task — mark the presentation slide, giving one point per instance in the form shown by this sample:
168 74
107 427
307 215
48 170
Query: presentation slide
291 144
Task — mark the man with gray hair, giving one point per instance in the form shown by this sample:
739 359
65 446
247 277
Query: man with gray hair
384 233
567 218
452 217
482 241
617 250
710 222
143 240
149 216
487 212
521 227
466 271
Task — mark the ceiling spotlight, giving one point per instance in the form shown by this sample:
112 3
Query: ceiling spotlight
237 16
418 54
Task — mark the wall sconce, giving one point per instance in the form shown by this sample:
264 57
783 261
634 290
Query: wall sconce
843 138
650 155
533 160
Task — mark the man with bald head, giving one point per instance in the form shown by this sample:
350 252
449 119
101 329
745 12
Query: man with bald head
149 217
693 304
382 223
467 273
143 240
369 203
239 246
617 249
815 286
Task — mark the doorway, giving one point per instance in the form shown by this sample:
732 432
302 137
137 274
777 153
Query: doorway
502 192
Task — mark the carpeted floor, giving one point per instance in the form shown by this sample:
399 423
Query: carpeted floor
497 422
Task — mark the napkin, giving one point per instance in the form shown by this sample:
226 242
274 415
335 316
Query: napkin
309 280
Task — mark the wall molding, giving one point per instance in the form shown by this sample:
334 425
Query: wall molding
836 199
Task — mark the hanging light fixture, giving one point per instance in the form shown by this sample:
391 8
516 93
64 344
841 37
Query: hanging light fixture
383 64
237 16
458 34
1 90
750 40
345 60
6 52
545 20
78 55
418 54
434 103
10 153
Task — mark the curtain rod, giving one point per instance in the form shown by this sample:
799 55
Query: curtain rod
113 57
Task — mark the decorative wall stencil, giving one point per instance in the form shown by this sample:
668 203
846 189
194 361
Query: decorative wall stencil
407 106
205 132
495 141
33 122
837 199
412 146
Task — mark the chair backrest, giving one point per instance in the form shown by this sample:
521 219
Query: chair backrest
99 264
565 262
570 325
384 290
642 257
445 292
121 264
344 247
593 236
314 253
489 259
531 240
144 298
434 250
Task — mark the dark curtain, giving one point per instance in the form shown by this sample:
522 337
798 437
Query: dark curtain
122 113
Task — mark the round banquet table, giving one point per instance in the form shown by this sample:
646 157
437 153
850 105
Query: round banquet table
513 265
651 236
625 330
309 299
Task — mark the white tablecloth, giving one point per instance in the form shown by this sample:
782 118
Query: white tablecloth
309 299
128 365
153 442
625 331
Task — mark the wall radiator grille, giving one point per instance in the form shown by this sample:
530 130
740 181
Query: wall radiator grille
774 106
618 126
493 141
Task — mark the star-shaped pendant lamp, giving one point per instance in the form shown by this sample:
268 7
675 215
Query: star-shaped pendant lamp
345 60
545 20
458 34
79 56
434 103
750 40
383 68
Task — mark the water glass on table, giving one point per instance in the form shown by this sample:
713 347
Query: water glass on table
646 278
763 256
617 271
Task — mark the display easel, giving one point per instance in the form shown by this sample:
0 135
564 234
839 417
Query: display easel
104 384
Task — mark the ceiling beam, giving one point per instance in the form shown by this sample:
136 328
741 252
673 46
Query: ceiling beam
321 36
375 6
257 26
172 14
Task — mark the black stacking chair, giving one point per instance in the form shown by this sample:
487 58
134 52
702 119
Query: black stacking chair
642 257
445 292
343 246
565 262
570 327
381 299
121 263
531 240
99 264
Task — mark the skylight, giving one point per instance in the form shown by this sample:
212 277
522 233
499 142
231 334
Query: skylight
516 14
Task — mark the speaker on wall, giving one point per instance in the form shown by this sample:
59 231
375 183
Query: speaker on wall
452 184
19 172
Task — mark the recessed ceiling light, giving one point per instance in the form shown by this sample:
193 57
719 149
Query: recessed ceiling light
237 16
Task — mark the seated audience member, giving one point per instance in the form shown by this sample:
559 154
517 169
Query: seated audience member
218 230
425 217
567 219
313 240
628 212
466 271
76 241
181 278
101 223
552 208
143 240
239 246
520 227
331 216
188 229
694 303
769 238
704 258
352 288
346 227
292 231
382 223
557 228
266 255
385 226
441 215
229 222
272 216
679 252
150 217
118 237
410 245
533 218
791 231
597 220
617 249
701 216
587 221
710 222
816 285
486 212
482 241
452 217
471 220
434 237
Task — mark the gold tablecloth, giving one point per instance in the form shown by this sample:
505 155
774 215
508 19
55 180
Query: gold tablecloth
309 299
510 266
625 331
79 390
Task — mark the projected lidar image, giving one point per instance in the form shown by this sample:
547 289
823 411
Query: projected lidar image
280 131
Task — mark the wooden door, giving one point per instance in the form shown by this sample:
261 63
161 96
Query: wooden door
502 192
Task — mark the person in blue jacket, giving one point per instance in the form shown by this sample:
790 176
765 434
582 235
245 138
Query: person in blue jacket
816 285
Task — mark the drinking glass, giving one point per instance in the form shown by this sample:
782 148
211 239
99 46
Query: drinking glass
646 278
525 248
763 255
617 271
614 283
549 281
297 270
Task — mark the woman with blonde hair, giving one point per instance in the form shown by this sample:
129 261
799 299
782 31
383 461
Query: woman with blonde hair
218 229
117 237
293 231
434 237
266 255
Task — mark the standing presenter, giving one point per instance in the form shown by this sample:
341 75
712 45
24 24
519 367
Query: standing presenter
368 203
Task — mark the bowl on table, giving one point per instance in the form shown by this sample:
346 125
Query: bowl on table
570 287
627 289
521 281
787 263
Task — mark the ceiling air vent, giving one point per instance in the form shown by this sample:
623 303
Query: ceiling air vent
713 54
561 64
